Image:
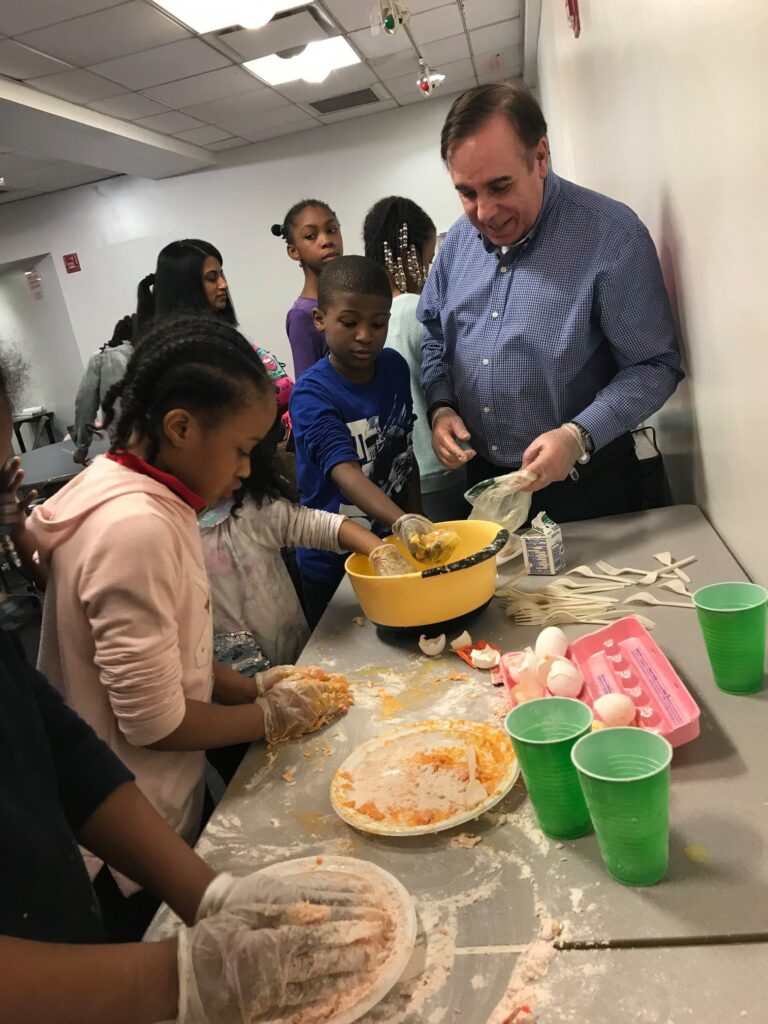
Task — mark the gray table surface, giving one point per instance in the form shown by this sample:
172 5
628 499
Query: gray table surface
54 461
485 904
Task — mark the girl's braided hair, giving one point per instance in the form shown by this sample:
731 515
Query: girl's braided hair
285 230
198 363
384 221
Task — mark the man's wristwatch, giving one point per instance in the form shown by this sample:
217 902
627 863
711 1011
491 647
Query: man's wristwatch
585 441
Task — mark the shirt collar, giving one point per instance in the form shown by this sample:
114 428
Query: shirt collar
551 192
172 482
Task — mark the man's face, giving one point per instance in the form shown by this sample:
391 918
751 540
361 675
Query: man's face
499 181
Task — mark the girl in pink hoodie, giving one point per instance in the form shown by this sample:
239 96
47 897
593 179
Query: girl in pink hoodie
127 630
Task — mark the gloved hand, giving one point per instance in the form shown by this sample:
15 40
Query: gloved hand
13 509
291 708
387 560
426 542
244 962
227 892
267 679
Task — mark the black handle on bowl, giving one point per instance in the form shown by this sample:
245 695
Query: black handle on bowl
489 551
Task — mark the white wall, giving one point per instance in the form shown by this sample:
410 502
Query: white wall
117 227
36 321
662 104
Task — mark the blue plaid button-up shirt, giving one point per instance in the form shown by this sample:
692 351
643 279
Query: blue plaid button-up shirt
571 323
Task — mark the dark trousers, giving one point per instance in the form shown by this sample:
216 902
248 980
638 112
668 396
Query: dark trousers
317 596
608 485
125 918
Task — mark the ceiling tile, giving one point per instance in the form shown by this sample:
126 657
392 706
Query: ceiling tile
78 85
258 97
233 143
19 16
445 51
61 175
129 28
507 33
486 12
201 88
162 64
14 196
171 121
203 136
337 83
503 63
437 24
380 45
356 14
293 30
265 120
459 71
17 61
130 106
257 135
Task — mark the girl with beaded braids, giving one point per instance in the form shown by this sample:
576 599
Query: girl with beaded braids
127 625
312 236
401 237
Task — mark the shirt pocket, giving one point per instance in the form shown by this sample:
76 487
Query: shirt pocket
202 622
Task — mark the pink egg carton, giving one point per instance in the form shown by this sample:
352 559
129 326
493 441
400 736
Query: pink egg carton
624 658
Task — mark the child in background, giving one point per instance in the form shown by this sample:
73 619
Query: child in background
401 237
352 418
104 369
313 238
252 590
127 631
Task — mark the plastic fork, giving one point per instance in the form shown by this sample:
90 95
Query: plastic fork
651 577
585 570
646 598
611 570
665 557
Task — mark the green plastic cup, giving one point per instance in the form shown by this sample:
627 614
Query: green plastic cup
732 617
624 773
543 733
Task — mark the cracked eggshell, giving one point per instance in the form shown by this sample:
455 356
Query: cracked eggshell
564 679
432 647
465 640
551 643
615 709
485 658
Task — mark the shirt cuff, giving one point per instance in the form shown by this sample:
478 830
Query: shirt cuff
440 393
435 407
602 425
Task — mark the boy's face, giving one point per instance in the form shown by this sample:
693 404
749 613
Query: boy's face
355 328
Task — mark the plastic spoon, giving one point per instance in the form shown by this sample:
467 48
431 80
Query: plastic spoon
677 586
653 576
645 598
585 570
665 557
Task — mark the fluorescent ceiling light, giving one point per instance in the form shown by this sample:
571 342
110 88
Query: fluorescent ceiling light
210 15
313 64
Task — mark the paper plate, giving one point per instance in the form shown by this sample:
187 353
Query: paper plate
396 898
385 756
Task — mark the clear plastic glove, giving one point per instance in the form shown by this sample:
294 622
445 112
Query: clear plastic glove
228 891
241 963
267 679
13 509
387 560
291 709
425 542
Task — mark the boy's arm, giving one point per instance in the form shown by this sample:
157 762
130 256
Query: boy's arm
412 502
360 491
123 984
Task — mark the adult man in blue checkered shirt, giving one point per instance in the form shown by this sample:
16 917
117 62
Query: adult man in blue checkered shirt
548 334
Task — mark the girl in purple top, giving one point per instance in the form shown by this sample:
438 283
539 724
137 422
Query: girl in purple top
313 238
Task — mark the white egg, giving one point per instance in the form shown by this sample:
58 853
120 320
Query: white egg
552 642
615 709
564 679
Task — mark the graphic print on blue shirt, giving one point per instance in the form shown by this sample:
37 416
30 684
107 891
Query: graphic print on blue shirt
336 420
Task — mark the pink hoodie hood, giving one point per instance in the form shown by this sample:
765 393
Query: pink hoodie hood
104 480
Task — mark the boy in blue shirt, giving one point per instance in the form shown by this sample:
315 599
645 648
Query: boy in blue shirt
352 418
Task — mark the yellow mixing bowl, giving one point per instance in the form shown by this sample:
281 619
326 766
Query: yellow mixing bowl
436 594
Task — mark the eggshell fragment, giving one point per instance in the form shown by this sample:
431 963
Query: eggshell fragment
564 679
485 658
432 647
465 640
615 709
551 642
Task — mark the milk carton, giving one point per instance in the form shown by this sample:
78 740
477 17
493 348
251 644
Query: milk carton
543 547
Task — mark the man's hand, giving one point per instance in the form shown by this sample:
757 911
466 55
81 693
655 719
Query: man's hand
448 428
551 457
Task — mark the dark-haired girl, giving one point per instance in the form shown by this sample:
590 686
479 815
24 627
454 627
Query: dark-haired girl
313 238
401 237
127 630
189 278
